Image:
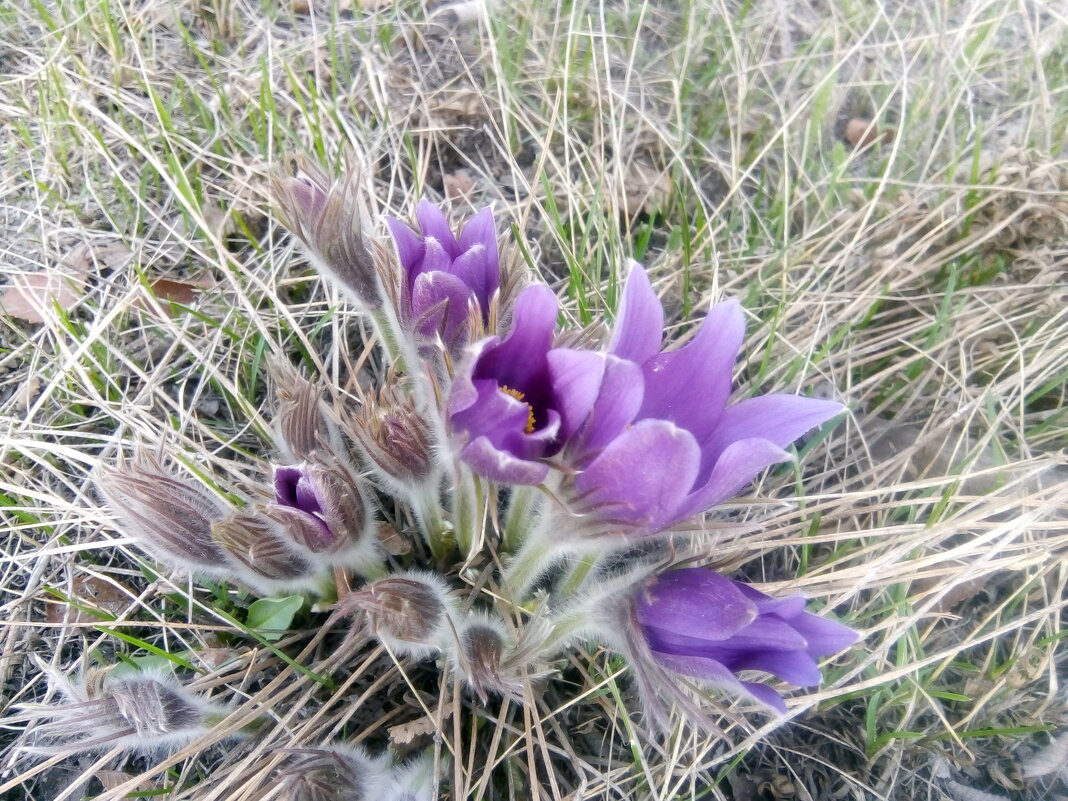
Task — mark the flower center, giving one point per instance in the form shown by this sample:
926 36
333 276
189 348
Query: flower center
515 393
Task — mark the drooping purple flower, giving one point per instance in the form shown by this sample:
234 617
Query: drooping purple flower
446 278
700 624
333 514
660 443
504 399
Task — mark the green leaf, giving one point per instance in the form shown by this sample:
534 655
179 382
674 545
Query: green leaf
273 614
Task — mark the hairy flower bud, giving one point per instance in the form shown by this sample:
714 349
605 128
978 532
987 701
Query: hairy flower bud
334 773
479 656
395 439
329 496
325 215
300 418
264 549
169 517
143 713
410 612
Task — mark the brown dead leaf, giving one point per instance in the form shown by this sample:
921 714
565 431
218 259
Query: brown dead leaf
116 778
392 540
183 292
32 296
404 733
459 186
645 189
860 132
88 591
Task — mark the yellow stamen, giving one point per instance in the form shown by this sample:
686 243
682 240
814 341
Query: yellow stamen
515 393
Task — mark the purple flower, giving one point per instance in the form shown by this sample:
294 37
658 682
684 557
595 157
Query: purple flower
700 624
445 275
660 443
326 509
505 400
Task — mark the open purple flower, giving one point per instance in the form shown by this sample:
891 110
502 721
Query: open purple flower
660 443
700 624
504 401
445 275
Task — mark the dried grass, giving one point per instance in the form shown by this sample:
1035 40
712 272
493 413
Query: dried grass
920 279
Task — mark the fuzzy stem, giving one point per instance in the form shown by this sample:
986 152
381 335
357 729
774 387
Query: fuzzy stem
465 510
529 562
520 517
576 574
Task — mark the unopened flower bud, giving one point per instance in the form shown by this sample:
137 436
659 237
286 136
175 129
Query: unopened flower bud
169 517
325 215
396 440
300 418
410 612
334 773
143 713
333 500
480 654
265 551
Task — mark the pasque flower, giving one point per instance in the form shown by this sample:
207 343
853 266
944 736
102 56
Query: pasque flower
446 277
660 442
700 624
503 398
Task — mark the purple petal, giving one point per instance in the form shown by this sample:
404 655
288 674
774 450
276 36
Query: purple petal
518 362
690 386
482 230
616 406
765 695
639 326
695 602
575 376
714 673
795 667
643 476
784 608
737 466
433 224
409 244
498 465
435 259
824 637
470 267
440 304
494 414
779 419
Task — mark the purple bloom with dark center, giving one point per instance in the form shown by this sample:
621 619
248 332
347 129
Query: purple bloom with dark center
504 400
700 624
446 275
658 442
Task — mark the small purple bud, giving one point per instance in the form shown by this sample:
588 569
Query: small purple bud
449 282
325 215
330 497
169 517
